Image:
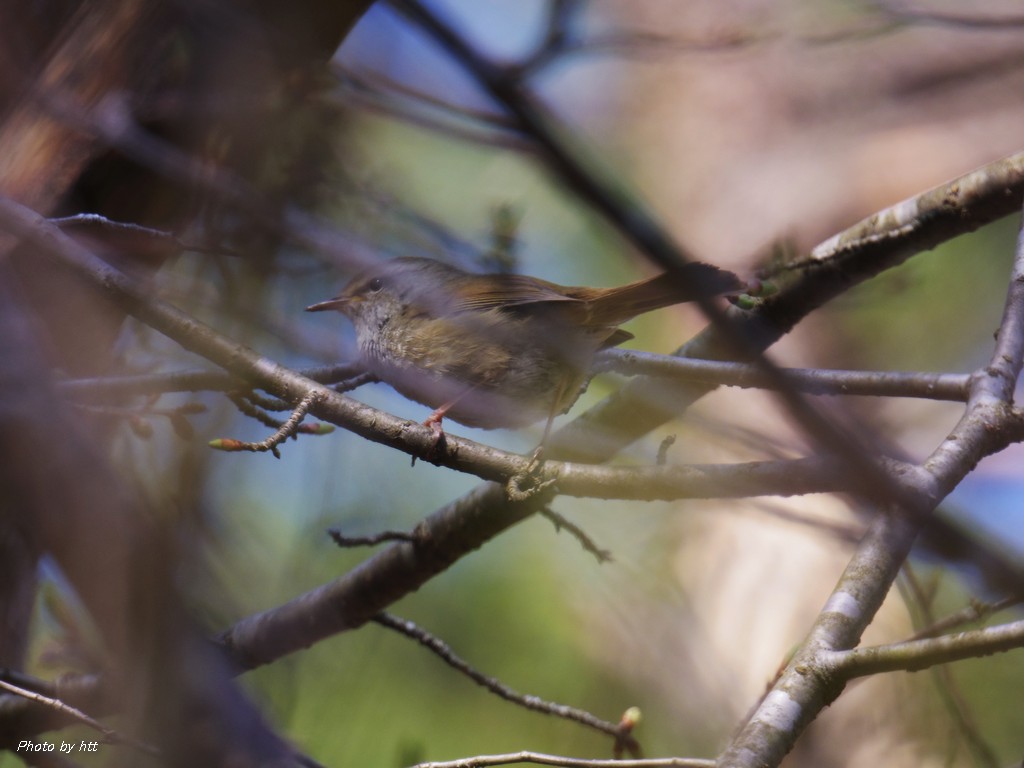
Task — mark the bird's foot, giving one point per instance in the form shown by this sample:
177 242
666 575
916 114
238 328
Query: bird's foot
531 481
440 442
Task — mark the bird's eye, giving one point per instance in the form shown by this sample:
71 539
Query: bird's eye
375 285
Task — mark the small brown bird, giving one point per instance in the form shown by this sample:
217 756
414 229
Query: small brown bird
496 350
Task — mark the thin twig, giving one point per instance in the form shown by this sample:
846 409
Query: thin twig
848 533
948 690
244 402
663 447
290 428
354 382
440 649
372 540
96 221
380 94
111 121
560 522
306 761
111 736
138 417
969 614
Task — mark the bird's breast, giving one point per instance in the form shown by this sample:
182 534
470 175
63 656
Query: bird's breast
491 371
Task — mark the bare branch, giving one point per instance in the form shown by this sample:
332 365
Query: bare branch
190 381
109 735
289 428
947 686
381 95
817 381
975 612
441 649
384 537
93 221
914 655
813 381
588 544
888 237
539 758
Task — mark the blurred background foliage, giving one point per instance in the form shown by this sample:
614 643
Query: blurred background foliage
532 608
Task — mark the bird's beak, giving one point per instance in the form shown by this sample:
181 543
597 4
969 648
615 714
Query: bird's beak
338 302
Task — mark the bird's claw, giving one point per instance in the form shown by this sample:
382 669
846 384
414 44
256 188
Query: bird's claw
523 485
440 443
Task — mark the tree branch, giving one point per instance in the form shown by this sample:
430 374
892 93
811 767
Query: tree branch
118 387
914 655
812 381
110 736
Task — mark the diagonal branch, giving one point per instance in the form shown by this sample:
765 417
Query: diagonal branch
110 736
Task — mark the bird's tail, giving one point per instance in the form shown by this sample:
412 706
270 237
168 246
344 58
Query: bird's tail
695 280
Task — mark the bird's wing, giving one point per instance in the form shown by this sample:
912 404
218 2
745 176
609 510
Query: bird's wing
484 292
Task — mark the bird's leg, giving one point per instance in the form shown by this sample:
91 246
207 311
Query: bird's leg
537 457
434 422
531 477
538 452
